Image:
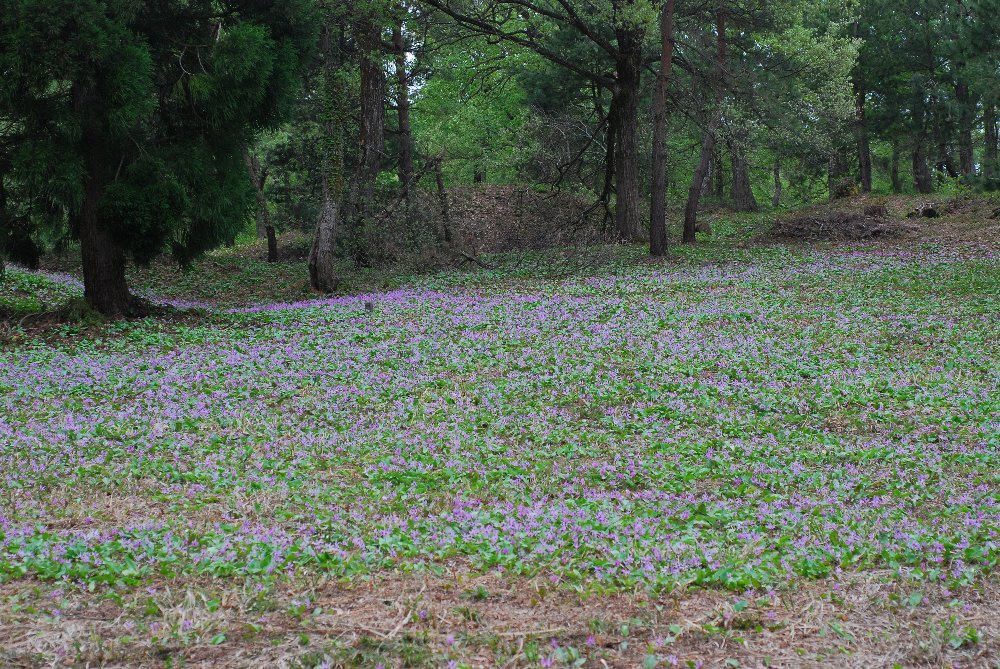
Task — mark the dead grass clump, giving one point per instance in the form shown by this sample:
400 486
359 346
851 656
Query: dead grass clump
873 223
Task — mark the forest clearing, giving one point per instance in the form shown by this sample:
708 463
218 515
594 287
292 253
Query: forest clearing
500 334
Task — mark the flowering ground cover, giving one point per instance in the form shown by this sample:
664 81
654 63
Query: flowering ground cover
657 465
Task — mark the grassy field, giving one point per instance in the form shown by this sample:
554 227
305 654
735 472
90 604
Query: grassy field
749 455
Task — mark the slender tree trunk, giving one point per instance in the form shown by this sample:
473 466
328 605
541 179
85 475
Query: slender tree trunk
743 197
861 132
658 190
776 199
839 182
991 164
445 230
946 161
403 111
718 176
259 178
627 179
966 118
610 169
105 286
897 183
708 143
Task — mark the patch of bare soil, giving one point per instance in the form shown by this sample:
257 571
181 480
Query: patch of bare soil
421 620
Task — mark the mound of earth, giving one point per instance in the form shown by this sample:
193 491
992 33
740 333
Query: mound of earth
841 224
499 219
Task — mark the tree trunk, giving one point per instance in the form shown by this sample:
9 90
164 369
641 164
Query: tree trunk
105 286
258 177
627 179
776 199
861 132
371 138
897 183
990 155
708 143
743 197
445 231
658 189
403 111
922 178
718 176
322 269
966 117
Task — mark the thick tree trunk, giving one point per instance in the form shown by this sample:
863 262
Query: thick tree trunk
371 138
966 118
627 179
743 197
946 162
658 189
991 166
861 132
839 183
922 179
897 182
708 143
403 111
776 199
322 269
105 286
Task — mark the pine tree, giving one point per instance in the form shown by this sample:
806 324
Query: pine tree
126 123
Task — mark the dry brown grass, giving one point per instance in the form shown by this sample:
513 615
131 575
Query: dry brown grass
859 620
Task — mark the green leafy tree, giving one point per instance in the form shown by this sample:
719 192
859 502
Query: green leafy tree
126 123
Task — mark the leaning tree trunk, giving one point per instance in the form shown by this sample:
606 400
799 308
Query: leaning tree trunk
627 180
966 118
743 197
708 143
658 189
105 286
403 111
990 156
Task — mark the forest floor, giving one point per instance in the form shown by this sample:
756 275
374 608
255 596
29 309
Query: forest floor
750 454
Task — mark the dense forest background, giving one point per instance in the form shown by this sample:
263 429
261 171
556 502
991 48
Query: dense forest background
136 129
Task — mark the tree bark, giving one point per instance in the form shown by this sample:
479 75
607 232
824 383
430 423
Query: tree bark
897 183
776 199
105 286
743 197
966 118
658 189
371 138
708 143
718 176
922 179
627 179
861 132
991 166
444 232
403 111
322 268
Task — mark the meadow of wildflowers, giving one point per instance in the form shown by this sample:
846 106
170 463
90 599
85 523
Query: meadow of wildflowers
739 425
